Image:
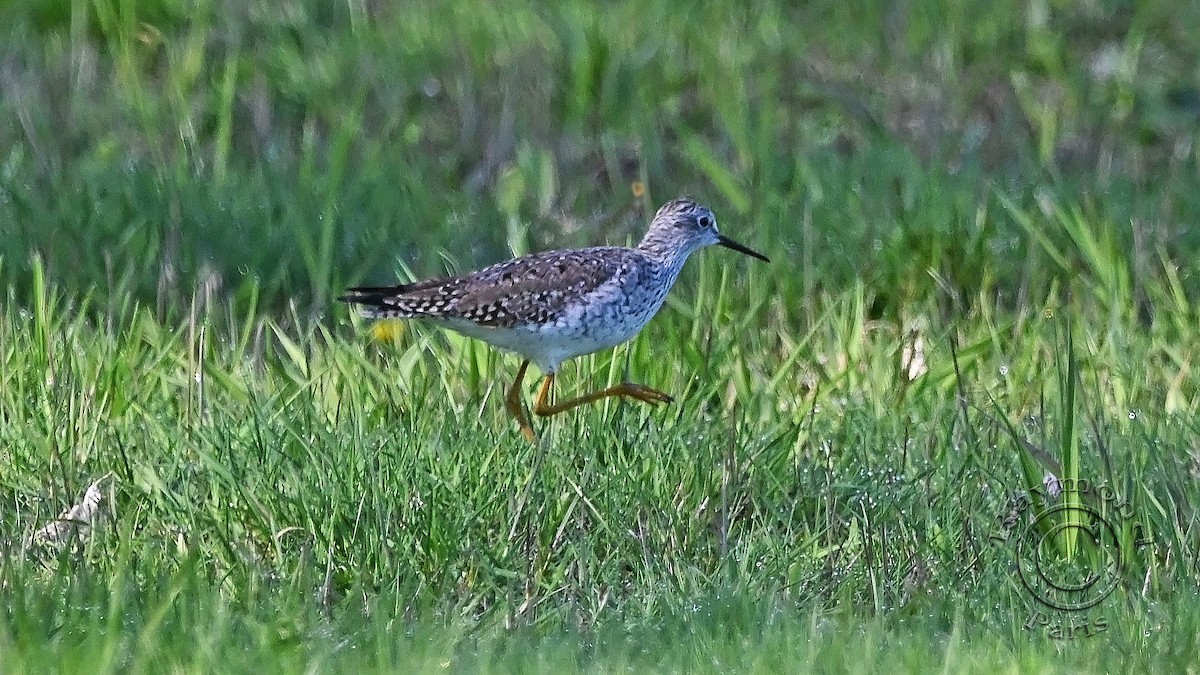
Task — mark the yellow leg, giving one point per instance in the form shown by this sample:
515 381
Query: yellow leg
512 401
543 408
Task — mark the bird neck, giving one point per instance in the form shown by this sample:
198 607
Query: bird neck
664 250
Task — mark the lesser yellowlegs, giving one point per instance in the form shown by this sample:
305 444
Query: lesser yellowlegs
553 306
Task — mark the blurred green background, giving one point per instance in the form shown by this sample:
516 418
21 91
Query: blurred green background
282 150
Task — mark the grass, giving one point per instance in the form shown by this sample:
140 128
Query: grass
982 287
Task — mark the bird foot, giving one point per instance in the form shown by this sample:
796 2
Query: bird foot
642 393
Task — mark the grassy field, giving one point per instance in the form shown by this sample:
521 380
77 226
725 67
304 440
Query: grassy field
961 403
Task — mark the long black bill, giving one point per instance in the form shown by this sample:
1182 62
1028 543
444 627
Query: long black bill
729 243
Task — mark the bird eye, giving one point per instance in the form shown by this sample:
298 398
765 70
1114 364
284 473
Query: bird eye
705 222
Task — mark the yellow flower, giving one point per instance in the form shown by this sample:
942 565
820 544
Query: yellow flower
387 330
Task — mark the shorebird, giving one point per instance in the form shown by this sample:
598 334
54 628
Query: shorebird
553 306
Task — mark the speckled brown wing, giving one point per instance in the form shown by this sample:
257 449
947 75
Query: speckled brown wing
532 289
